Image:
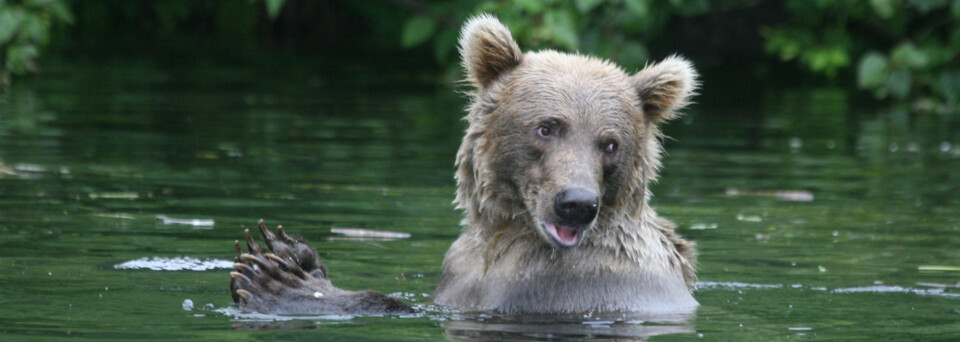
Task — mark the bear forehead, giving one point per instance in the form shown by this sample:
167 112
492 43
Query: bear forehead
572 70
569 85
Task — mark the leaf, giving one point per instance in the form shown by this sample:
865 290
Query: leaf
908 55
34 28
60 11
884 8
10 20
639 8
899 83
948 86
20 57
872 70
827 59
274 7
584 6
417 30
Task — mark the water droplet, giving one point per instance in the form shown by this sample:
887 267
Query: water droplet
187 304
894 147
831 144
317 294
945 146
912 147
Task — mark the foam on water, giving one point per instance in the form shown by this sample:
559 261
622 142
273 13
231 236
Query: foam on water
174 264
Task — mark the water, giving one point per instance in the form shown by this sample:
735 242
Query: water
123 187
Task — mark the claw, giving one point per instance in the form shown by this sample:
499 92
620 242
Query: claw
267 234
245 294
278 260
252 245
236 243
291 267
283 235
244 268
260 262
251 258
240 277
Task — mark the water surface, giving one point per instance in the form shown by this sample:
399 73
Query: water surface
123 187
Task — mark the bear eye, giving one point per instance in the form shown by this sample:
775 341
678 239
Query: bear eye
610 147
545 131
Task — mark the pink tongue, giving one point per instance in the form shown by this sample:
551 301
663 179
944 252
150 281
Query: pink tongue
566 234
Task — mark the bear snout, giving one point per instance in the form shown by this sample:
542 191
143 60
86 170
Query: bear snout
576 206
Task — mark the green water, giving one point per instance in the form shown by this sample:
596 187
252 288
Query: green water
816 218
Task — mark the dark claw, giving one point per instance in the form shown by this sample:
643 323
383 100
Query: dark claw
255 259
277 279
280 262
240 277
246 295
291 267
252 245
267 234
246 269
283 235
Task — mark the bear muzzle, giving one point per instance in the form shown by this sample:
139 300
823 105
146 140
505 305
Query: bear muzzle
576 209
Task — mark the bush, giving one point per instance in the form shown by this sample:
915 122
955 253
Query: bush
24 30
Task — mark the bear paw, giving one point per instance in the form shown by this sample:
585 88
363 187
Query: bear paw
291 279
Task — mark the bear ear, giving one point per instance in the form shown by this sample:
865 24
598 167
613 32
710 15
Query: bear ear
665 87
488 50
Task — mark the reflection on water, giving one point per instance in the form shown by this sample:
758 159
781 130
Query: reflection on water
619 327
815 216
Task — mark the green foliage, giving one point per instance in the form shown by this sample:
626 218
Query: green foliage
274 7
904 49
24 29
900 49
895 49
616 29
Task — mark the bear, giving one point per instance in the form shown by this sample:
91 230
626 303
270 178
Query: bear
553 178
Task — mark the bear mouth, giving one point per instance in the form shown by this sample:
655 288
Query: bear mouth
562 235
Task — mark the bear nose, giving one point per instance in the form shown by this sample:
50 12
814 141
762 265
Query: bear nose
576 206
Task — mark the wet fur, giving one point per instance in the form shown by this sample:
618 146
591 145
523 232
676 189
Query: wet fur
630 259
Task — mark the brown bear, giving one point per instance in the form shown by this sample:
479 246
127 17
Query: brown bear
553 177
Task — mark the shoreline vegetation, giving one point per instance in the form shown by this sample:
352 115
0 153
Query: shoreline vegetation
892 50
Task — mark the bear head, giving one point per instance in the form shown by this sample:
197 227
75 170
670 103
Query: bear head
560 143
